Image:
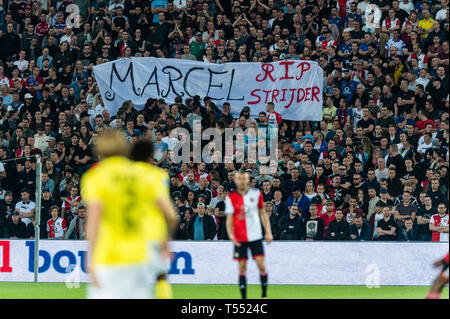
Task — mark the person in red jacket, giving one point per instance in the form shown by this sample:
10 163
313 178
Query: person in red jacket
328 216
441 280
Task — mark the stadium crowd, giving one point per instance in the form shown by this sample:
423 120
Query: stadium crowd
375 167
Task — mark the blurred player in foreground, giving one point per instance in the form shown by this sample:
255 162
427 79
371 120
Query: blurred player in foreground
123 215
245 212
441 280
142 154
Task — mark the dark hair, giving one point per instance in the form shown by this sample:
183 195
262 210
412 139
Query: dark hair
142 150
54 207
84 140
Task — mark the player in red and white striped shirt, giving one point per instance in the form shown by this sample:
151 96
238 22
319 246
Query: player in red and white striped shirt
441 280
245 212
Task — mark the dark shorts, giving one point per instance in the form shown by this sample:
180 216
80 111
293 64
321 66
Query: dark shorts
256 247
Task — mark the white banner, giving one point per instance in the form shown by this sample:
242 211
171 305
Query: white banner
295 87
59 260
297 263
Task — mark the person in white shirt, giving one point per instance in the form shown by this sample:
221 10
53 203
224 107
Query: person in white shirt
406 5
422 79
422 138
442 13
170 141
395 42
427 143
26 207
220 196
40 139
21 63
179 4
361 7
116 3
357 111
68 33
381 171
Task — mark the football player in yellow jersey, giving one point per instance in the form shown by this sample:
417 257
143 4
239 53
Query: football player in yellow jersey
142 154
116 192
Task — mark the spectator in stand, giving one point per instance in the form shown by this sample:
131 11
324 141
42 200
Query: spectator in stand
327 216
338 229
201 226
314 226
387 227
424 213
273 219
16 228
405 210
352 211
7 206
56 225
439 224
360 230
77 227
408 231
291 226
298 199
435 193
70 203
26 207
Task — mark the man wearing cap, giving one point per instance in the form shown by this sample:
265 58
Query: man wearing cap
201 226
27 177
198 46
78 85
9 66
30 103
16 228
177 46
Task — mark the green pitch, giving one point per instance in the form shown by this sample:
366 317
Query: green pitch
14 290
